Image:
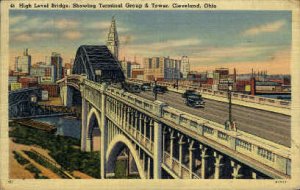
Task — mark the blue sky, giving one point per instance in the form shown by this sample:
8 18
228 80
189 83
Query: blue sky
241 39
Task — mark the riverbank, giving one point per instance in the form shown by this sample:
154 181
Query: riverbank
65 151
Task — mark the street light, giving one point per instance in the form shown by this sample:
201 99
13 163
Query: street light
229 97
155 89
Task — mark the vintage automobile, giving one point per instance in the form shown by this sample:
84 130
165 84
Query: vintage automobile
159 89
194 101
190 92
146 87
133 88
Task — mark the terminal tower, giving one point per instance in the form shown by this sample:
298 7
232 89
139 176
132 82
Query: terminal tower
112 42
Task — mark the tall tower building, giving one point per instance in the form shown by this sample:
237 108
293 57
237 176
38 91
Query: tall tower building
112 39
185 66
56 61
23 63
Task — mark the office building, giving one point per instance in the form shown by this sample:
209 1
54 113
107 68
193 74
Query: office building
185 66
56 61
23 63
161 68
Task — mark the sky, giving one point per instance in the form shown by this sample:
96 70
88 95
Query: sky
235 39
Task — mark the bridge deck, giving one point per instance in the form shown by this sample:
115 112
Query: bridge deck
268 125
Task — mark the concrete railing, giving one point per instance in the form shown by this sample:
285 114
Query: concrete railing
147 105
235 96
268 153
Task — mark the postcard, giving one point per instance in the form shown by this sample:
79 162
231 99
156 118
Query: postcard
166 94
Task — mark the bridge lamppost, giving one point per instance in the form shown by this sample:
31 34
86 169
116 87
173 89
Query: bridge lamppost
230 124
155 89
229 97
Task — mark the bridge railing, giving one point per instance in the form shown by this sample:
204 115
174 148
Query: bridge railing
264 151
147 105
217 93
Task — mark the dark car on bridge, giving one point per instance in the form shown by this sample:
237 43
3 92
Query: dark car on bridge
194 101
159 89
133 88
189 93
146 87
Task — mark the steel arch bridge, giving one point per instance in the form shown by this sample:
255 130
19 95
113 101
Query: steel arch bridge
162 141
98 64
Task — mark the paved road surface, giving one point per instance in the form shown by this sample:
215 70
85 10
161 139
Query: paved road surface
272 126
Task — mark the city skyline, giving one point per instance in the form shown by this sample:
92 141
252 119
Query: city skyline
257 39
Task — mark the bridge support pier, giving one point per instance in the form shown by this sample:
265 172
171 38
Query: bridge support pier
236 170
218 165
254 175
181 143
144 160
67 96
140 126
191 158
157 155
88 143
148 167
163 143
171 148
104 133
145 129
83 125
150 129
136 124
203 160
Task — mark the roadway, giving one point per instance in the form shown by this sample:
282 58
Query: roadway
268 125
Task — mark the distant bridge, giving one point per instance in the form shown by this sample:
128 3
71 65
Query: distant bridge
162 141
23 103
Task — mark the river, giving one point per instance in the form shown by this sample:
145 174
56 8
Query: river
66 126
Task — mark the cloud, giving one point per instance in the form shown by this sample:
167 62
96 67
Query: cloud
162 48
25 37
265 28
42 35
65 24
213 54
72 35
168 44
32 24
101 25
126 39
175 43
16 19
40 24
105 25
